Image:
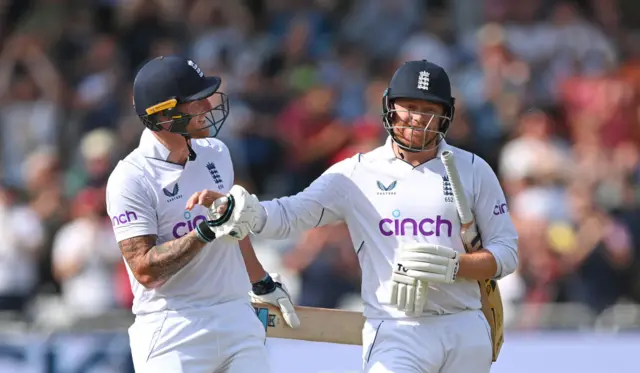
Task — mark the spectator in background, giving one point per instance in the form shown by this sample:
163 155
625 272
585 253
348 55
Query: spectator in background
534 153
43 193
30 89
311 135
23 239
493 87
85 255
324 258
97 149
380 26
348 75
596 253
430 42
96 93
366 130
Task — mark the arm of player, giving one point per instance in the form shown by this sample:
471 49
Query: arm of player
324 201
498 256
254 267
236 215
152 264
135 225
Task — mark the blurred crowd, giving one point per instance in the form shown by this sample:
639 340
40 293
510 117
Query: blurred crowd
547 93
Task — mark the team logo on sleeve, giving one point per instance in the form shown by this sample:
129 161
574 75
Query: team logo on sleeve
386 190
172 194
500 208
447 190
213 171
124 218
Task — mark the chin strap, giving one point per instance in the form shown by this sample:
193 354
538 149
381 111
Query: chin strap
192 154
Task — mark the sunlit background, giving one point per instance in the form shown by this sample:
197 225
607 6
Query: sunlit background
547 93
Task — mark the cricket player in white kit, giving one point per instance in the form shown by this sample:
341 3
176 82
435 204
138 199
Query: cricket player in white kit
397 203
192 285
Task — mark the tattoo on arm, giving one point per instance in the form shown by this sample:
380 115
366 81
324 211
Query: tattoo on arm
154 264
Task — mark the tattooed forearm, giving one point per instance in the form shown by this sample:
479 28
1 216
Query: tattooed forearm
154 264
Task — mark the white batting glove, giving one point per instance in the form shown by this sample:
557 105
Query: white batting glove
416 265
427 262
408 294
272 291
242 215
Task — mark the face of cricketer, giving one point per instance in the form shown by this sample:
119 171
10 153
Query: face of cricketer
205 117
199 125
417 122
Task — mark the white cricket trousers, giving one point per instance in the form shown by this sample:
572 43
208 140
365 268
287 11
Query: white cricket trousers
225 338
456 343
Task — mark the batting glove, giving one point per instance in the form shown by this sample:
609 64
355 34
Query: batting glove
428 262
418 264
272 291
242 215
408 294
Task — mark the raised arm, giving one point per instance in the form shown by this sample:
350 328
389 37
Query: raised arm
135 225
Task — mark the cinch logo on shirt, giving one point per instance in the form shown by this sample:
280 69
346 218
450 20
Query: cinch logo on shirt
411 227
186 226
500 208
124 218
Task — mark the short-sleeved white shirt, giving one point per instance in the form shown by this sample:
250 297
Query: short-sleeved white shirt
386 201
146 195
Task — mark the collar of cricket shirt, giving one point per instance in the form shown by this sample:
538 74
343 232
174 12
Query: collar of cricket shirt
151 147
388 154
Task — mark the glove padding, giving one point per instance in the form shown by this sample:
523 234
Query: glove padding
243 214
416 265
280 298
408 294
427 262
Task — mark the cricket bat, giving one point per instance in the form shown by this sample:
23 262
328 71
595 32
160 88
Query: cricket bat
489 290
316 324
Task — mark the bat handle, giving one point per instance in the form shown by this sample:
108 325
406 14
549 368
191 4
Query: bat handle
466 225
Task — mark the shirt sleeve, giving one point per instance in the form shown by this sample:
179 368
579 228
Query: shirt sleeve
130 206
324 201
494 222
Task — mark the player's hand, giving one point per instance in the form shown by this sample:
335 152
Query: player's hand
205 198
235 214
471 238
272 291
427 262
409 294
416 265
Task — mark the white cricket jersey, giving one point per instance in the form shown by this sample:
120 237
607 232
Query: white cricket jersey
146 195
386 201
